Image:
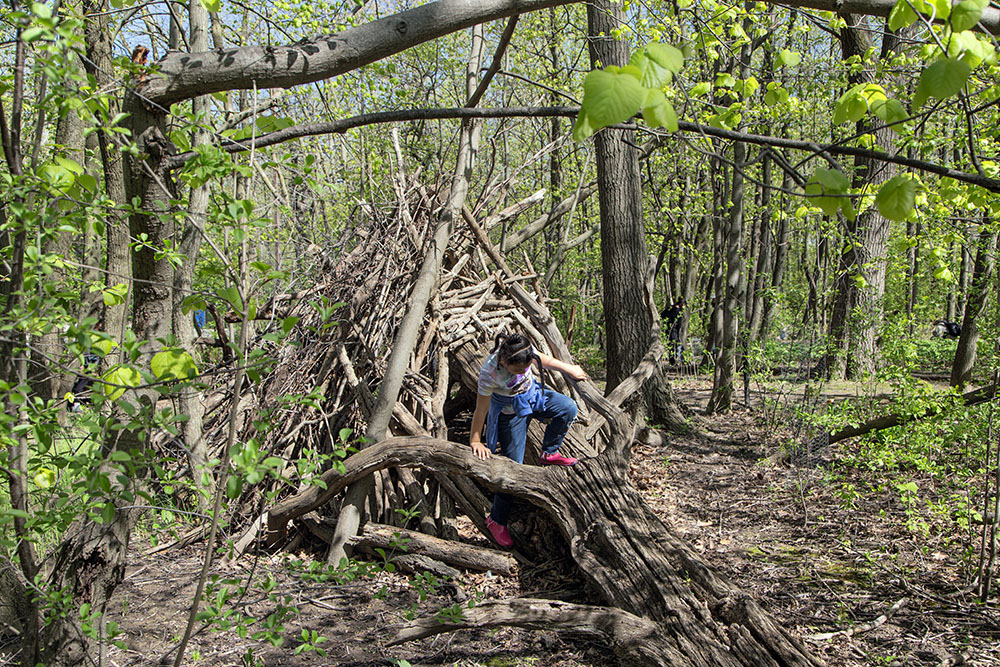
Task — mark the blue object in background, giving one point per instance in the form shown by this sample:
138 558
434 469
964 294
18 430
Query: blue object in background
199 320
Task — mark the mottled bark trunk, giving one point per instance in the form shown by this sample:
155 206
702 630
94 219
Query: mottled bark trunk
732 312
624 258
763 261
778 269
117 265
48 379
858 312
623 238
190 397
982 275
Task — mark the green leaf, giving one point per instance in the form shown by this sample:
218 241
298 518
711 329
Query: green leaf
659 112
896 197
108 513
851 107
966 14
105 345
211 5
666 56
941 80
173 364
940 9
234 487
891 111
88 182
71 166
232 295
943 273
701 89
967 47
41 10
827 189
789 58
45 478
114 295
611 97
33 34
117 379
902 15
654 75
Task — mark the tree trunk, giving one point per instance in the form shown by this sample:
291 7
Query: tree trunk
47 378
628 319
100 65
723 379
623 238
778 270
717 280
858 312
975 306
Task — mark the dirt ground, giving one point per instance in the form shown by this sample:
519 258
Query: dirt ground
781 533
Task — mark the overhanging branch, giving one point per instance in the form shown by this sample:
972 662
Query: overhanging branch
181 76
340 126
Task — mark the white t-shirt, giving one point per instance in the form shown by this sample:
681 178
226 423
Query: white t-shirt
494 378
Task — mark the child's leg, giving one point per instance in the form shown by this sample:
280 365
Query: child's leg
512 431
561 411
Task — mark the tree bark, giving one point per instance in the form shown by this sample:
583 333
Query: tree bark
118 267
190 401
623 238
982 275
858 312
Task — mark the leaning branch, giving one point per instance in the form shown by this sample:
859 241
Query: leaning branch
180 76
969 398
991 184
362 120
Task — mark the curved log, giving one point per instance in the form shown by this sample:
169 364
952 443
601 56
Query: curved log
624 550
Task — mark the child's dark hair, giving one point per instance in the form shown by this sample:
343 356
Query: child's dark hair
516 349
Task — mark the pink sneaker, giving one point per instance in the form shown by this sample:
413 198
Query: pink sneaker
499 533
556 459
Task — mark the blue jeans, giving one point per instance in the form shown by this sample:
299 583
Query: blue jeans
512 431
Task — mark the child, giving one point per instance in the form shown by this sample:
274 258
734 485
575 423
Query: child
508 399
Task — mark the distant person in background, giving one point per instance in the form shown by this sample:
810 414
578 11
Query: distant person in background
199 321
672 318
80 393
946 329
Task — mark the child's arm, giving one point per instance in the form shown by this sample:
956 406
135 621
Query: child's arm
476 430
572 370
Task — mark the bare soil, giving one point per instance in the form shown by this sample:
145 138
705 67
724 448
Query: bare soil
781 533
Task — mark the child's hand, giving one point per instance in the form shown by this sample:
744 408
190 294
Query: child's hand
480 450
576 372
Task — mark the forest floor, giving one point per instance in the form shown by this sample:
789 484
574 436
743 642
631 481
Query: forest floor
783 534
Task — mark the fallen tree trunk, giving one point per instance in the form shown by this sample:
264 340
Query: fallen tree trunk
627 554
